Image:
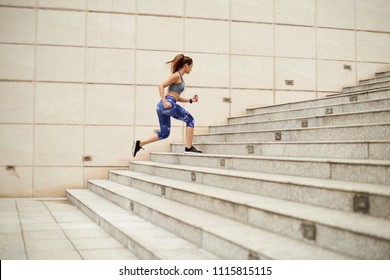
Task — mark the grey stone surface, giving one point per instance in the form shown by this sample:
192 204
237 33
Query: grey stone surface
362 171
308 149
328 101
330 133
181 216
279 215
368 86
316 118
52 230
144 237
382 78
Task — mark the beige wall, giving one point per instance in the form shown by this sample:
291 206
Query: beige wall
78 77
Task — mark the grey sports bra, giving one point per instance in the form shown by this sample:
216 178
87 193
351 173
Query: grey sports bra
178 88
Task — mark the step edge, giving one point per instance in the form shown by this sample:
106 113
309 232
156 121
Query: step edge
311 107
342 114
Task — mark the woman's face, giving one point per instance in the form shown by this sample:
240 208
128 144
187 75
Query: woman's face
188 68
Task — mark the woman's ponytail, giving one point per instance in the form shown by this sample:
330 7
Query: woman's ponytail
178 62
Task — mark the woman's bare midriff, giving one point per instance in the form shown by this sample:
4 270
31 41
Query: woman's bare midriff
174 94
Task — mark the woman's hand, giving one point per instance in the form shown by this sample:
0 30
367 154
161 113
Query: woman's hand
166 104
195 98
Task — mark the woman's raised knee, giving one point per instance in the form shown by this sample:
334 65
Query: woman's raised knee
163 134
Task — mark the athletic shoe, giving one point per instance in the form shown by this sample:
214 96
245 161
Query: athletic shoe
136 147
191 150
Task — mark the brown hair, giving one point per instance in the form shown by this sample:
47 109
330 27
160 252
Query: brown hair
179 61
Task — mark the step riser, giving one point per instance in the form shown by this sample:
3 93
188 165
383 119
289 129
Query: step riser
288 226
334 199
357 133
383 104
377 94
375 80
122 238
187 231
382 74
217 206
326 236
366 87
331 120
322 170
328 150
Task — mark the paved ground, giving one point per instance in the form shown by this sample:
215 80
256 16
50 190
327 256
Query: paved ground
53 230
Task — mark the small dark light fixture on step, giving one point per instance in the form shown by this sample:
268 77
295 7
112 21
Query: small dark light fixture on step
253 256
251 149
361 203
309 231
329 111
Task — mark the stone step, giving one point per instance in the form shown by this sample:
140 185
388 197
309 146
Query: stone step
360 171
224 237
334 194
368 86
382 74
275 215
255 122
359 106
326 101
331 133
143 238
384 78
376 150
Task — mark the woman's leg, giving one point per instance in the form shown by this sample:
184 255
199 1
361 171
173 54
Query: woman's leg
182 114
165 127
149 140
189 136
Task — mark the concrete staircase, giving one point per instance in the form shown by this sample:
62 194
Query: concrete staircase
305 180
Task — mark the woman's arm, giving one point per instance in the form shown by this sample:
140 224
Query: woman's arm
194 99
185 100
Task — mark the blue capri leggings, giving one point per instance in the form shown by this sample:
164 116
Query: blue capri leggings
165 114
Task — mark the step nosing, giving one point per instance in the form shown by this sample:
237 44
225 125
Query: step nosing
369 162
309 118
374 83
293 142
298 129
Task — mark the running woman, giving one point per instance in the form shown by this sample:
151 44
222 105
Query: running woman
168 107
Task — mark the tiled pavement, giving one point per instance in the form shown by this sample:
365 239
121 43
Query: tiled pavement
53 230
